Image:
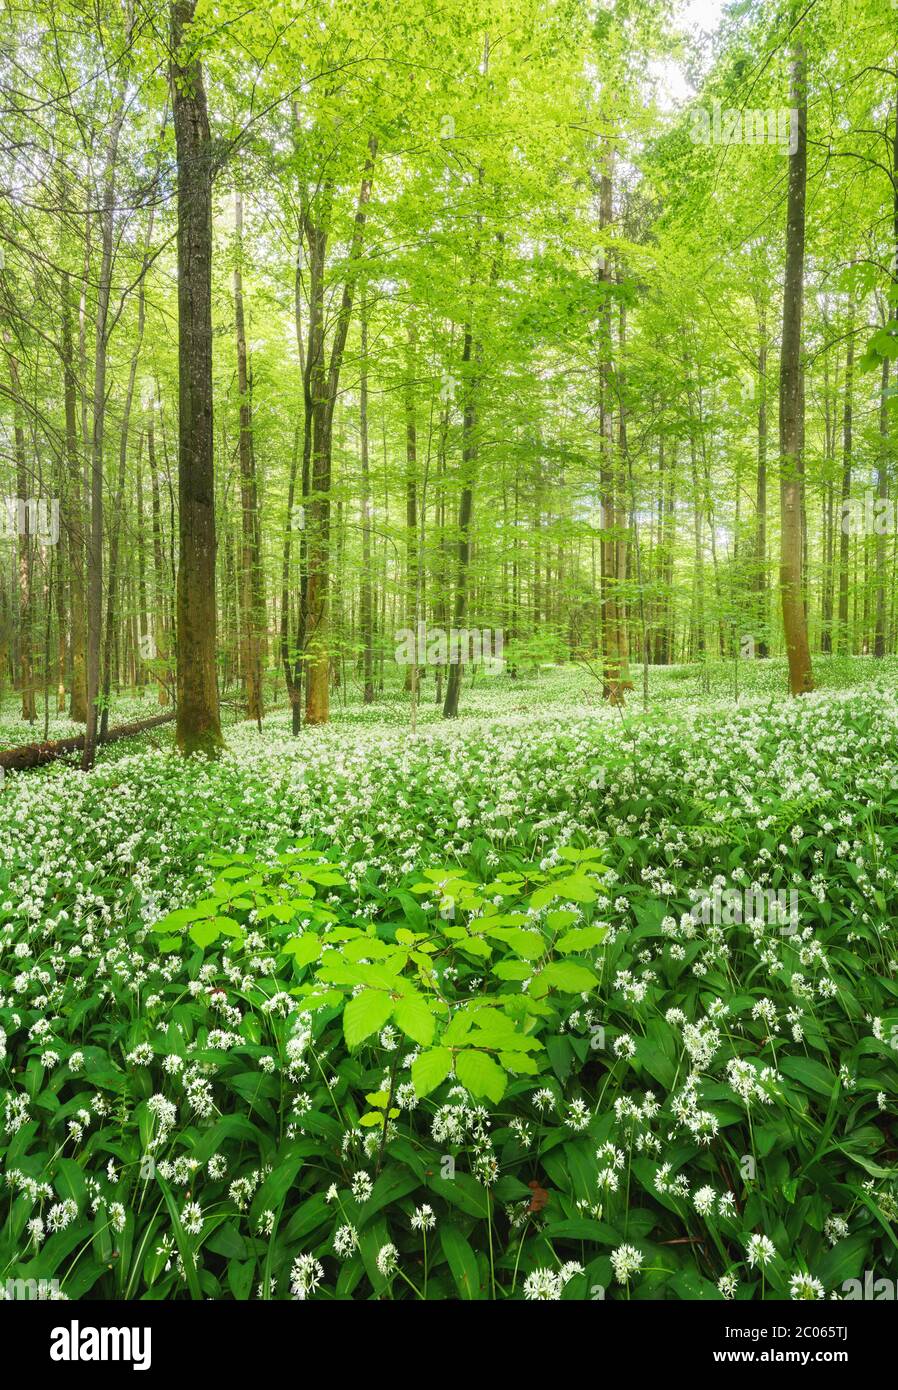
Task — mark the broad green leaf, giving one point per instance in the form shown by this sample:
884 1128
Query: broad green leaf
304 949
429 1069
569 975
414 1017
480 1075
204 933
365 1014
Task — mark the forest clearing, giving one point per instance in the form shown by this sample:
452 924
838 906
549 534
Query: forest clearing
449 655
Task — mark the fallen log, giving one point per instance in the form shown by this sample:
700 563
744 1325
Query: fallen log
35 754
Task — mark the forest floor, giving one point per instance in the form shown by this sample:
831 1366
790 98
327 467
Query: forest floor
670 1097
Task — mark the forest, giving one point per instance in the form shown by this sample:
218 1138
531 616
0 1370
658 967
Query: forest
448 651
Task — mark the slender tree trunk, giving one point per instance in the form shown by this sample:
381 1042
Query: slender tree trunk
296 517
613 655
826 605
251 579
791 424
73 514
142 647
844 537
880 638
622 522
761 647
411 506
366 616
699 582
325 379
465 512
25 552
161 624
101 346
118 510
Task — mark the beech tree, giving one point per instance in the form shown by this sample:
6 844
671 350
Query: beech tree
198 722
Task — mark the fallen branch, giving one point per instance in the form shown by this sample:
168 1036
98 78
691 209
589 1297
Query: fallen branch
35 754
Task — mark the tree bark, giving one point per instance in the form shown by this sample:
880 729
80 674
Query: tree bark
411 508
161 626
198 719
325 379
465 512
366 619
36 754
791 422
251 579
842 642
101 346
879 639
73 514
761 648
25 551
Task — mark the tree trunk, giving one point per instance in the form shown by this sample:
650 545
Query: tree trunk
198 721
879 641
325 380
879 637
73 515
118 510
465 511
761 648
844 537
36 754
791 423
292 660
251 580
25 552
101 345
411 508
614 654
366 618
161 626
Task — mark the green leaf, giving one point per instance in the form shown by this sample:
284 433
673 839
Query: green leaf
182 1241
476 946
569 975
561 917
429 1069
581 939
240 1278
512 970
204 933
812 1075
845 1260
528 944
365 1014
228 926
304 949
181 918
413 1016
462 1261
519 1063
480 1075
577 887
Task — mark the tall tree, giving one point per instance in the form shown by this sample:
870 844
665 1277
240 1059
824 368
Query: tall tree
198 719
324 377
791 395
252 589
